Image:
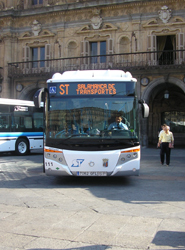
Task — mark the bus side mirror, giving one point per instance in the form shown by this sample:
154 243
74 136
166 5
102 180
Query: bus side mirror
145 108
37 99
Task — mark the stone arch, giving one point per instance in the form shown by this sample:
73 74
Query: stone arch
154 97
157 82
29 91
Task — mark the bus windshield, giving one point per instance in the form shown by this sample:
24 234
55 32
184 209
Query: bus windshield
91 118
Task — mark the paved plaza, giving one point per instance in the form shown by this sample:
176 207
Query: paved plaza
41 212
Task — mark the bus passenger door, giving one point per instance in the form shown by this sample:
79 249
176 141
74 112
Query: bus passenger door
7 143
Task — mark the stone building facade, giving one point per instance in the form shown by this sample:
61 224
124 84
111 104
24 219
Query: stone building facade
41 37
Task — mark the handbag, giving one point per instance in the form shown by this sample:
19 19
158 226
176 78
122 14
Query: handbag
170 145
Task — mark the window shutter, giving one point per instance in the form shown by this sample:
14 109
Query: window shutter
151 43
180 46
26 53
26 58
85 51
86 48
152 47
110 46
47 57
82 48
109 59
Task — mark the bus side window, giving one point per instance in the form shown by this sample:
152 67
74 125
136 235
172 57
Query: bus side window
26 123
23 123
4 123
38 121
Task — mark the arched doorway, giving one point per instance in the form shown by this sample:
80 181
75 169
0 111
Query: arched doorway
29 91
166 110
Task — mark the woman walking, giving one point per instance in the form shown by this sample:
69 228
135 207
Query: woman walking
166 141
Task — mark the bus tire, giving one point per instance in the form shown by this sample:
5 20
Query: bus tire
21 147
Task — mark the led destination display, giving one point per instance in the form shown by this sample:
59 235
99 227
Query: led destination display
66 89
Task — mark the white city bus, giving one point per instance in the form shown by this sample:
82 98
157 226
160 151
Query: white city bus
79 108
21 126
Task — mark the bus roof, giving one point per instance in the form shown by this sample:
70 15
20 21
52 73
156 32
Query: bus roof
92 75
7 101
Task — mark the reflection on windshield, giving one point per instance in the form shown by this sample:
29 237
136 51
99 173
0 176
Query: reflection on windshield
92 117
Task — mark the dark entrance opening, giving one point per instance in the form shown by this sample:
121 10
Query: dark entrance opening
165 47
169 111
175 119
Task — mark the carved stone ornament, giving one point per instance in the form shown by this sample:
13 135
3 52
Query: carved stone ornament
165 14
96 12
144 81
19 87
36 27
96 22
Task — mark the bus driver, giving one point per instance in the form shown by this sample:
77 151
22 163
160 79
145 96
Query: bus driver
118 124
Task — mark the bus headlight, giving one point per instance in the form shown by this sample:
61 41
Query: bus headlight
128 155
60 159
56 154
135 155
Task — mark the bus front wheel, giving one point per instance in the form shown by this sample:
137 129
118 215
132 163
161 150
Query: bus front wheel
21 147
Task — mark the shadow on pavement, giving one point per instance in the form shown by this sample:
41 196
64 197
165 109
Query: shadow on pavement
94 247
169 238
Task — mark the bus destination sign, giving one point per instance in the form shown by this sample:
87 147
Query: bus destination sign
89 89
66 89
20 108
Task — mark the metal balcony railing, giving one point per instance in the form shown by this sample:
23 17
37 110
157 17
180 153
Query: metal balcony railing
124 61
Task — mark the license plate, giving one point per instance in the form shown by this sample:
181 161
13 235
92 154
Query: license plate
92 173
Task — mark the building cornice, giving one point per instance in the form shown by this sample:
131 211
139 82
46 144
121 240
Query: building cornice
71 13
80 6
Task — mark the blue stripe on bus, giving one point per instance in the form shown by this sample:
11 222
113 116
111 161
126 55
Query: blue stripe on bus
17 134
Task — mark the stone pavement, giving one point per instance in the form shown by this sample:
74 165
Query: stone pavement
44 213
151 167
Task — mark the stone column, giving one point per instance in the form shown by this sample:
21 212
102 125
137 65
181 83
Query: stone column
6 87
144 132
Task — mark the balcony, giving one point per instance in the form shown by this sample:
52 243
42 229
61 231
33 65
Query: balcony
140 61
